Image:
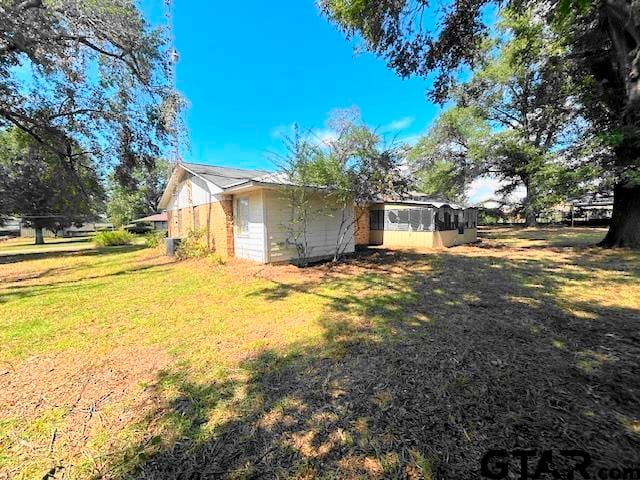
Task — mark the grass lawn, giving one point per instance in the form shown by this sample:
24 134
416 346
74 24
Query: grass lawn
121 363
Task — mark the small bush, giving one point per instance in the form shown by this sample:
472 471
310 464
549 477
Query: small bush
110 239
140 228
193 246
153 239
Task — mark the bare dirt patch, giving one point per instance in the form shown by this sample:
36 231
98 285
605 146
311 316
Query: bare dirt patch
64 400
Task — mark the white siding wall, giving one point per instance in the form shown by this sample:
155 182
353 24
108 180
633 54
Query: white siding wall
250 246
198 194
322 228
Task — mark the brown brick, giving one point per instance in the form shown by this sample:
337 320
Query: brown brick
216 219
362 225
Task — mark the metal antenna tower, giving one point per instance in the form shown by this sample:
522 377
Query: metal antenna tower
171 74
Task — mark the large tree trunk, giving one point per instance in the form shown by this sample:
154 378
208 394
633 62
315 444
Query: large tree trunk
620 20
531 219
39 236
530 216
624 230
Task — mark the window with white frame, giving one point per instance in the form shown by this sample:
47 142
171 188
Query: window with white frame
242 216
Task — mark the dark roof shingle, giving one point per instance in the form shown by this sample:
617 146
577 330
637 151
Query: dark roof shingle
224 176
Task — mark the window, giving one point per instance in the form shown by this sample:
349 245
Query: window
242 216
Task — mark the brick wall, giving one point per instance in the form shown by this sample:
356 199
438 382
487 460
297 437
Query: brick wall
362 225
216 219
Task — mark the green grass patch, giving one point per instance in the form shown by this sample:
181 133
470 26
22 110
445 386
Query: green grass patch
142 365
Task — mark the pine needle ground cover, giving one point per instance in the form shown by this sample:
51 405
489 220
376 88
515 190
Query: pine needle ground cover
118 362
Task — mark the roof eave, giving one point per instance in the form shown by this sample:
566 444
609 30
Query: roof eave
168 191
250 185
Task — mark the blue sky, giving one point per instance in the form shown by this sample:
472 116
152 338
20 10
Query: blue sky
251 69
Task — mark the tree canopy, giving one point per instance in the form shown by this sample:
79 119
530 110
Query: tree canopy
354 167
41 190
517 118
140 196
83 77
447 159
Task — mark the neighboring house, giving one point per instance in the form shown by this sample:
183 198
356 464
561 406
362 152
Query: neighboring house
246 214
592 208
10 227
494 211
84 230
157 221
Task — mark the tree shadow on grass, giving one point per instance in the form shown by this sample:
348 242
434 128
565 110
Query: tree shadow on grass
428 361
9 258
13 289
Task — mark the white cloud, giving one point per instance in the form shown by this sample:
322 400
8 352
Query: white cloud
399 124
317 136
323 136
484 188
280 131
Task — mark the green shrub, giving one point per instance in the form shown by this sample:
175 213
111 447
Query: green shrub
193 246
110 239
153 239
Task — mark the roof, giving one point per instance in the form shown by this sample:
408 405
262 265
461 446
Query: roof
432 203
221 177
593 200
157 217
492 203
224 177
238 179
418 198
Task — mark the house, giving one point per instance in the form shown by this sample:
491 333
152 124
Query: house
493 212
156 222
10 227
79 230
596 209
248 214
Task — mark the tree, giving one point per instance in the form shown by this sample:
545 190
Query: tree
524 89
449 157
78 75
354 168
139 195
517 118
604 40
45 192
296 167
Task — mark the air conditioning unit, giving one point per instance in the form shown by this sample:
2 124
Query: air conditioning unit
171 245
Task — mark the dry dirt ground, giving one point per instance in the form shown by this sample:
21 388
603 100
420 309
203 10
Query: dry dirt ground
391 365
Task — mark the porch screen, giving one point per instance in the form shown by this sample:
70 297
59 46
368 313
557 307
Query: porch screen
407 220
